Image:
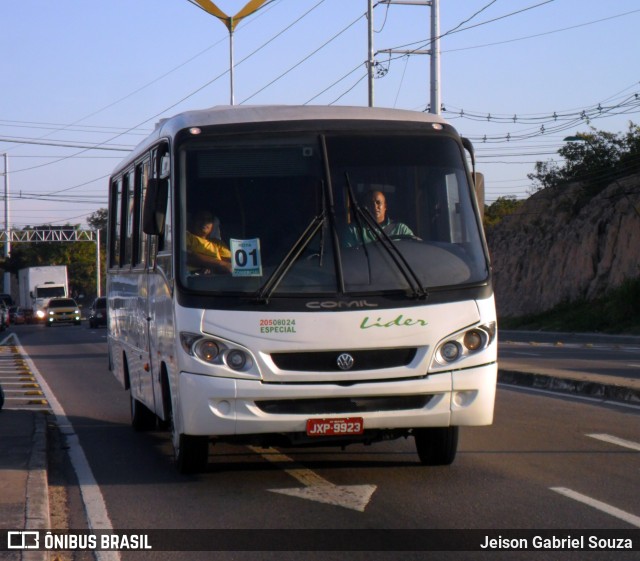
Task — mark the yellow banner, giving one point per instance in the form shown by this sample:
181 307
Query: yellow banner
230 21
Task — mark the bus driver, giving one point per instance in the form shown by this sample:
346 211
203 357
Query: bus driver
376 204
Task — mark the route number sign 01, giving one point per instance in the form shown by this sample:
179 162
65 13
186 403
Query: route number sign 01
245 258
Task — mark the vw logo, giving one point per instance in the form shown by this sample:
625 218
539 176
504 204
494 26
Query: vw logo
345 361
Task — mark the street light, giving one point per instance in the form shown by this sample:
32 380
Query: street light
230 23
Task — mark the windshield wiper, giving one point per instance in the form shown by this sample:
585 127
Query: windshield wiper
268 288
396 255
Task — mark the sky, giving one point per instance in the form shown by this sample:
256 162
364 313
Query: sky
81 83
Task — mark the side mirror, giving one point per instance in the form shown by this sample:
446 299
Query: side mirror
154 210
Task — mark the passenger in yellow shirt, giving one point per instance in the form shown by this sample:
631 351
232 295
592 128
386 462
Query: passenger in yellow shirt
203 254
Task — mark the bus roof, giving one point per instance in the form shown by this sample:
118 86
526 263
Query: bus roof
227 115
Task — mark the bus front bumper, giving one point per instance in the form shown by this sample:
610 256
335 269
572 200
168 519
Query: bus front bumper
217 406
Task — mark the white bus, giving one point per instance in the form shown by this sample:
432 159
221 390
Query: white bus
327 325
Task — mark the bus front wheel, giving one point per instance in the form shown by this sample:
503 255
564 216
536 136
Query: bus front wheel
191 453
436 446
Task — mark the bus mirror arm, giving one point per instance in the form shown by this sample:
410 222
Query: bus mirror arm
466 143
478 178
155 206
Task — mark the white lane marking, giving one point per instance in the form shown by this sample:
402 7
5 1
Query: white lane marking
599 505
97 515
316 488
615 440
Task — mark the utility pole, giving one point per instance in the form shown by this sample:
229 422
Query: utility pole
435 58
434 51
98 272
7 244
370 53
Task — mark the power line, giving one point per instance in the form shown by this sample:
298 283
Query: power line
306 57
539 34
60 143
427 42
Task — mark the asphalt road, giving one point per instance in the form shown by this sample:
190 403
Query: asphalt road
611 359
547 462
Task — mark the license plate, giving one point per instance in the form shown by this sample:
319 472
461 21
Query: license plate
335 427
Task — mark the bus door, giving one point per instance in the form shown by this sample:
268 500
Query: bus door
158 300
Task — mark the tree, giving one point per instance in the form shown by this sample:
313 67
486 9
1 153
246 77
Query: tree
595 160
503 206
98 221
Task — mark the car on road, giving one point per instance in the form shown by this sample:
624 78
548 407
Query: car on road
62 310
98 312
16 315
4 316
28 315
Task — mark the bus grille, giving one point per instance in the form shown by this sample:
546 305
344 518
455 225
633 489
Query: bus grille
326 406
327 361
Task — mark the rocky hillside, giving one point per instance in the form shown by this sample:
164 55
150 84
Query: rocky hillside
556 248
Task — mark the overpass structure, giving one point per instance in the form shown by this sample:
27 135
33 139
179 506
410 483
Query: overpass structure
53 234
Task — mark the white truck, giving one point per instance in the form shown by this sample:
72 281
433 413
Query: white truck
37 285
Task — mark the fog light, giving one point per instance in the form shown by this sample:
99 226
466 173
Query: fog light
450 351
236 359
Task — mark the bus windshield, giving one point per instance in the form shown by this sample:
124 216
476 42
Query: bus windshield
323 215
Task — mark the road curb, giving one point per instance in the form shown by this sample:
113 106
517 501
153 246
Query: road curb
598 390
37 493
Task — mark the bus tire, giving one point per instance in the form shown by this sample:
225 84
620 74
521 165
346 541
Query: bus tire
142 418
166 423
192 453
436 446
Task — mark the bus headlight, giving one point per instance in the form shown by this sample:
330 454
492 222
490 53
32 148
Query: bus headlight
236 359
215 351
465 343
207 350
473 339
450 351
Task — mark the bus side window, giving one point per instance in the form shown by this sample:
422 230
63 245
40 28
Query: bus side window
139 238
115 214
128 222
157 219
